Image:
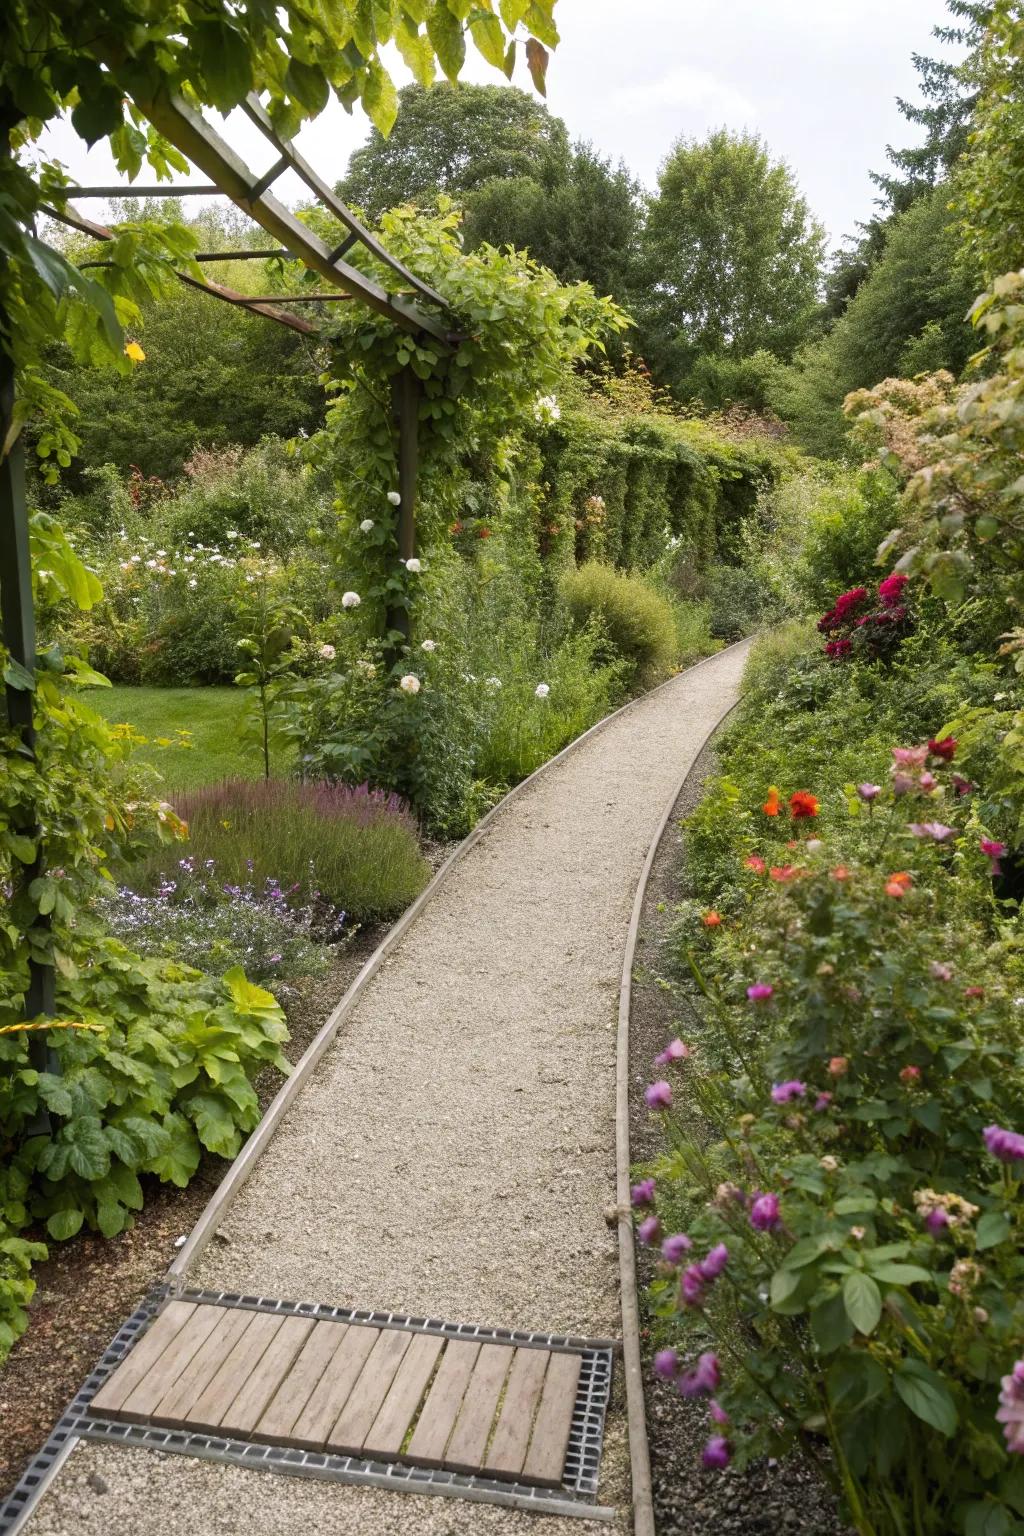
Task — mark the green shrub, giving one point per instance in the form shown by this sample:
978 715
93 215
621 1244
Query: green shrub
774 653
637 622
737 601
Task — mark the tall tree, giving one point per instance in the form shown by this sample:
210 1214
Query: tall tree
733 254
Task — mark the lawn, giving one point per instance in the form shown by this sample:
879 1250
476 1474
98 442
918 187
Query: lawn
214 717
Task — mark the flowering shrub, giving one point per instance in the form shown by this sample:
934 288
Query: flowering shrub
867 627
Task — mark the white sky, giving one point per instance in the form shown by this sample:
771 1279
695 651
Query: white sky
816 78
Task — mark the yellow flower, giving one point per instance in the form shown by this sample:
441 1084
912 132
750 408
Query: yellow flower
134 351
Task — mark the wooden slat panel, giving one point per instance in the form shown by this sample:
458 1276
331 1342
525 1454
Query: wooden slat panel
174 1406
330 1394
441 1409
390 1426
469 1438
512 1432
158 1380
369 1392
297 1388
263 1382
212 1404
545 1459
142 1357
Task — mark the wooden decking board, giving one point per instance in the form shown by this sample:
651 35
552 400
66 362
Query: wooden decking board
507 1451
138 1406
388 1430
441 1409
298 1386
173 1407
142 1358
465 1451
213 1403
365 1400
545 1459
262 1382
328 1397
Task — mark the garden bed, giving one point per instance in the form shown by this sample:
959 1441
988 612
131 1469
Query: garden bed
769 1497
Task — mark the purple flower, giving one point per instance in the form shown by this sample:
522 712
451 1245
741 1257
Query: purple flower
658 1096
673 1248
793 1089
649 1230
936 1220
717 1453
1011 1409
691 1287
1008 1146
868 792
674 1051
933 829
902 783
822 1102
642 1193
714 1262
704 1379
764 1213
717 1412
760 992
666 1364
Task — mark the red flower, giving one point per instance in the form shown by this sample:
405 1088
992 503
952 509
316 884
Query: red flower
803 804
898 884
771 805
946 748
711 919
840 872
909 1074
483 533
756 863
455 528
783 872
974 991
891 589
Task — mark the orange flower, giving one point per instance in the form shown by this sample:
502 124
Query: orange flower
839 1066
840 872
771 805
756 863
803 804
898 884
711 919
783 872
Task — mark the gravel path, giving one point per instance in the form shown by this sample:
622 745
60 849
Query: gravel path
454 1153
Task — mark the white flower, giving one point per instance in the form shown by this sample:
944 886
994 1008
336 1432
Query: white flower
414 566
429 645
351 600
232 533
190 559
126 565
256 546
161 554
327 653
367 668
410 683
541 691
493 682
394 498
546 408
193 582
150 565
366 524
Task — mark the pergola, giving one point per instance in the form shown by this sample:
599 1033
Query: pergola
412 305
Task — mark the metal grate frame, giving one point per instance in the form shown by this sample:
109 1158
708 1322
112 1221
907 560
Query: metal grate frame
579 1486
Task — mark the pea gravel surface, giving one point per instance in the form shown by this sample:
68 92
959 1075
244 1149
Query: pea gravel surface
454 1153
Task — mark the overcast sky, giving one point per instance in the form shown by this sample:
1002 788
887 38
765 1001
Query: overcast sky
818 79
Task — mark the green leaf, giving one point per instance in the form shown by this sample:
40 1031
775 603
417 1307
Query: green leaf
926 1396
111 1218
246 994
993 1228
99 113
54 1094
447 37
18 677
489 38
64 1224
88 1153
225 61
863 1301
899 1274
23 848
830 1325
308 85
178 1159
855 1380
380 98
985 1519
215 1124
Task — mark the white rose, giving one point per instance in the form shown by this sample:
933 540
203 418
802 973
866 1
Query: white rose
351 600
327 653
410 683
542 690
429 645
394 498
414 566
366 524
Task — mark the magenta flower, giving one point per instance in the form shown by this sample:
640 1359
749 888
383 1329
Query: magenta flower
764 1213
717 1412
717 1453
714 1262
649 1230
658 1096
869 792
928 782
823 1101
993 852
782 1093
642 1193
704 1379
1011 1409
1008 1146
910 757
961 785
933 829
692 1286
674 1051
937 1220
760 992
673 1248
666 1364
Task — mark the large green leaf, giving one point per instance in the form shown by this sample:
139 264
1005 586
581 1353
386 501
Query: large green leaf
448 39
993 1228
64 1224
862 1300
88 1153
926 1396
178 1159
215 1124
830 1325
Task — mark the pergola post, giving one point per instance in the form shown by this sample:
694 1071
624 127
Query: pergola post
405 402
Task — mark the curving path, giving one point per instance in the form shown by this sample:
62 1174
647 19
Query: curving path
454 1153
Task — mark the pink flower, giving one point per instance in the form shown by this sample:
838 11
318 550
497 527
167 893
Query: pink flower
717 1412
822 1102
1008 1146
941 971
649 1230
910 757
642 1193
756 863
673 1248
927 782
1011 1409
933 829
937 1220
666 1364
869 791
993 852
891 589
764 1213
674 1051
692 1286
760 992
717 1453
705 1377
714 1262
910 1074
782 1093
658 1096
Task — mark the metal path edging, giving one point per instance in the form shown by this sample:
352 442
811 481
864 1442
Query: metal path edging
636 1415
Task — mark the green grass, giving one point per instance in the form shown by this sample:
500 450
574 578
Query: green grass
214 717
